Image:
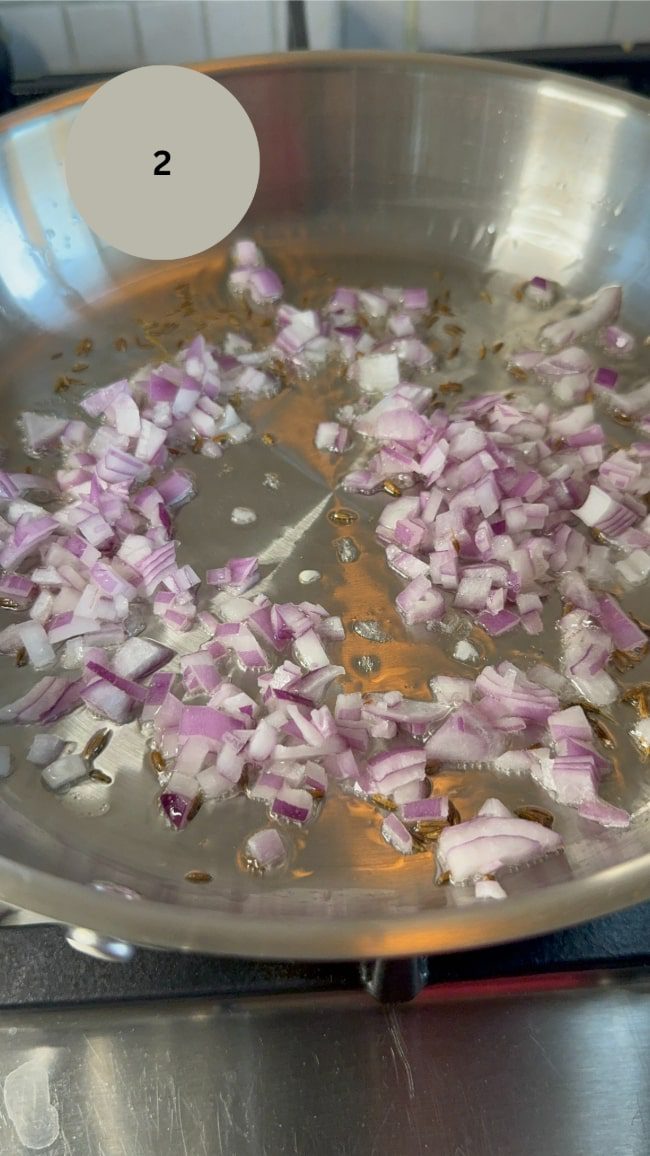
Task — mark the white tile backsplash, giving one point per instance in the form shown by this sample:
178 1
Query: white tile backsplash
631 21
37 38
448 25
374 23
324 20
242 27
171 31
510 24
579 21
105 35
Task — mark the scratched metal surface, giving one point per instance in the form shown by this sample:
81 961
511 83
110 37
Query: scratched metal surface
506 1070
369 204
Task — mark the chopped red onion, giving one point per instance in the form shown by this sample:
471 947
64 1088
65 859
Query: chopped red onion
17 588
65 771
604 513
45 749
599 310
29 532
452 691
41 430
498 623
526 359
635 568
214 785
265 849
314 779
397 835
572 780
126 685
138 658
618 339
464 738
292 804
372 303
419 602
565 364
499 495
237 576
489 889
309 651
635 402
641 733
108 701
36 704
570 723
488 843
264 285
431 809
378 373
515 762
624 633
605 377
540 292
396 767
495 808
331 436
179 799
39 651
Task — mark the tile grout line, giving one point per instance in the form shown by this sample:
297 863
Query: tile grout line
546 20
610 22
205 28
275 26
475 27
138 35
70 36
411 28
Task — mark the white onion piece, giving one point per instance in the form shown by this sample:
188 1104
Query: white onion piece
64 771
641 732
397 835
494 808
433 808
465 652
215 785
139 657
37 645
378 372
600 310
572 780
44 749
484 845
540 292
265 849
489 889
296 806
309 651
243 516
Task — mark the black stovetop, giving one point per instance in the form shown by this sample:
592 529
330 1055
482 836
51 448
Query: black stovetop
38 968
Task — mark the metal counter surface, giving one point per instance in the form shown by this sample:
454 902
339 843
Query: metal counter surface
548 1066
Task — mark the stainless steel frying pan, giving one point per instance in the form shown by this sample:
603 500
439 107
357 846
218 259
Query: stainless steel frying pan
375 169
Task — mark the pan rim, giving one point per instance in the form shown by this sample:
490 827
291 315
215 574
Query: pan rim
440 931
317 60
194 928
